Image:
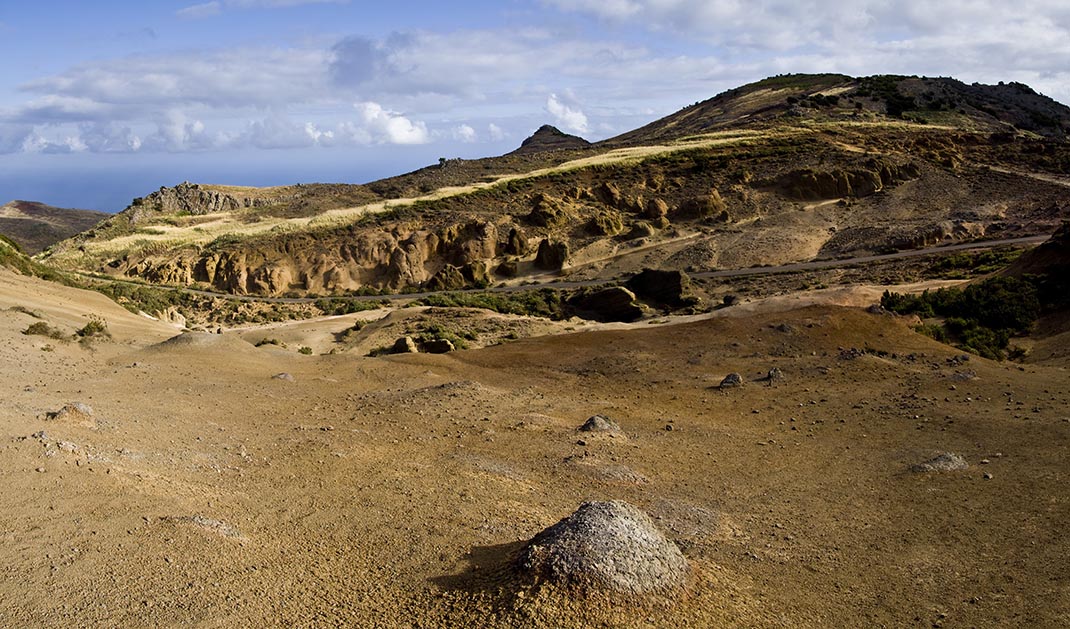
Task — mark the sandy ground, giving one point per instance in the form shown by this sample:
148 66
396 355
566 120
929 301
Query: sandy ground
394 491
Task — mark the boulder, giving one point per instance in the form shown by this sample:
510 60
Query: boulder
672 288
606 223
607 546
641 229
732 381
438 346
599 423
448 278
552 255
615 303
404 345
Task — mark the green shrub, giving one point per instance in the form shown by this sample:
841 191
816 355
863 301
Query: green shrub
980 319
96 328
307 351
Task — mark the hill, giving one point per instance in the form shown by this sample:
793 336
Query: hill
790 169
36 226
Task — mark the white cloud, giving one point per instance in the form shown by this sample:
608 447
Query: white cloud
215 7
496 132
465 133
198 11
566 116
391 127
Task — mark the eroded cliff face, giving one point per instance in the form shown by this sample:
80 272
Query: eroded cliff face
348 260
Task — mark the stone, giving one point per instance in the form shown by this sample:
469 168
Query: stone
943 462
283 376
599 423
732 381
438 346
405 345
551 255
672 288
615 303
607 546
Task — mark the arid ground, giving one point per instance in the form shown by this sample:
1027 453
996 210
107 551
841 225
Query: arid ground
195 488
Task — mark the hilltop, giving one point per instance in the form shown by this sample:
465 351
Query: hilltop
36 226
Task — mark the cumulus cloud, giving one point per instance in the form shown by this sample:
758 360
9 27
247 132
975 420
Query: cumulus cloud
497 134
465 133
388 127
568 116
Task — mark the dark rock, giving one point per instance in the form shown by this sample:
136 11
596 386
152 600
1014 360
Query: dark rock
610 546
552 255
404 345
615 303
732 381
775 375
517 244
438 346
671 288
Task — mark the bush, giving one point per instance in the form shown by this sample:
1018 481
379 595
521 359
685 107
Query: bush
96 328
41 328
307 351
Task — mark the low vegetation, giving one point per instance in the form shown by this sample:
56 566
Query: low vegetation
980 319
545 302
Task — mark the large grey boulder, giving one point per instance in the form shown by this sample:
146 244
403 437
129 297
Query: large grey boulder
610 546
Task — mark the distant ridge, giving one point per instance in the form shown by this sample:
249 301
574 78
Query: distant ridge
36 226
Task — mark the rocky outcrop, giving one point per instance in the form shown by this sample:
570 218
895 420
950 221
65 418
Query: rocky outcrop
552 255
871 177
608 304
671 288
192 198
548 212
606 223
702 207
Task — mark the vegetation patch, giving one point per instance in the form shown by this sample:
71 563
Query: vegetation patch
545 302
970 264
980 319
41 328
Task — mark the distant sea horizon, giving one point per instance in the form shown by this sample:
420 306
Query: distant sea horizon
108 183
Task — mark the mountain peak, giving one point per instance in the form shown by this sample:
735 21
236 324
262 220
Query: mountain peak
550 138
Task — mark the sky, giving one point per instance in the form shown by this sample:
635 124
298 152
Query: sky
108 100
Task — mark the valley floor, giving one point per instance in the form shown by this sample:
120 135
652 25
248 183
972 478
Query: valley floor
394 491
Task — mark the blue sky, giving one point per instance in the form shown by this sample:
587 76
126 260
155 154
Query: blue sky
103 101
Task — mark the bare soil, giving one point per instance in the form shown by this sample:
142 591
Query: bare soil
396 491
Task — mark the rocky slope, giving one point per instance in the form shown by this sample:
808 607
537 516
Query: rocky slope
791 169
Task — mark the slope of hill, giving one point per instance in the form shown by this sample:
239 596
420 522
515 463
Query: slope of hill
36 226
784 170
